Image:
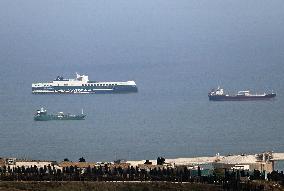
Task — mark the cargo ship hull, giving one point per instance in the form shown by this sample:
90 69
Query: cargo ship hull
240 98
56 117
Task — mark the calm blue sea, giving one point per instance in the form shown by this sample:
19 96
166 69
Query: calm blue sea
176 51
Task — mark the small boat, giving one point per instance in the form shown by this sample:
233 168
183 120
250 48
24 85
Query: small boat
41 115
219 95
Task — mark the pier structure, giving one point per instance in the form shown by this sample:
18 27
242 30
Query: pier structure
277 157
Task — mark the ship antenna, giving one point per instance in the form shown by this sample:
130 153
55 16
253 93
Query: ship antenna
82 111
77 75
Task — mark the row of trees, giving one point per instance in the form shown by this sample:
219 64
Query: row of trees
117 173
276 176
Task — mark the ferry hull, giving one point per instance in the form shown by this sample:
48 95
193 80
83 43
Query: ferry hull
85 90
240 98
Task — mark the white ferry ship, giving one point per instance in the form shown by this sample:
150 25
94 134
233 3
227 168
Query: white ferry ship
82 85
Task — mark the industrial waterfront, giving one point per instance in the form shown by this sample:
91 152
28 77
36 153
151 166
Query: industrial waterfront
262 162
253 172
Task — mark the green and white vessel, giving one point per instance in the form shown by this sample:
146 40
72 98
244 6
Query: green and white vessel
41 115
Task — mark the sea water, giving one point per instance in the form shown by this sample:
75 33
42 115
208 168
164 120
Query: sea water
176 51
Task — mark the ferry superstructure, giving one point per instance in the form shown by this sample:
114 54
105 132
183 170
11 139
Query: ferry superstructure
219 95
82 85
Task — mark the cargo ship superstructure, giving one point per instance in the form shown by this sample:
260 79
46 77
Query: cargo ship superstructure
82 85
219 95
42 115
